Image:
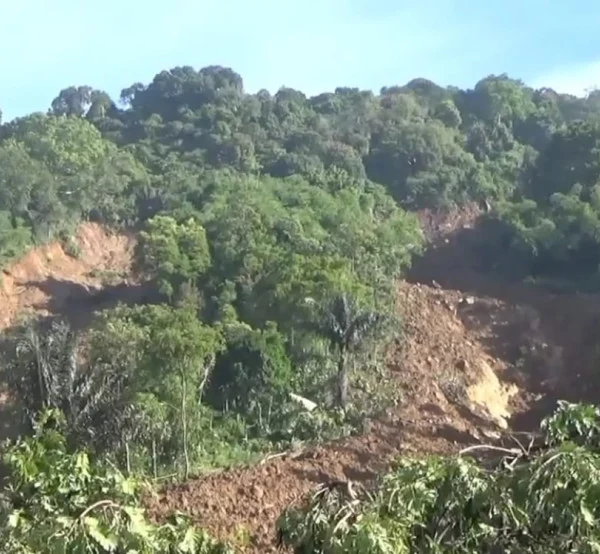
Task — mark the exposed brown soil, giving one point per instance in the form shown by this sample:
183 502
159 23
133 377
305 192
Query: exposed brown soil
33 283
438 360
462 369
477 354
47 282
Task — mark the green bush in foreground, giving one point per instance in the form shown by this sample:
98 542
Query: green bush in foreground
57 502
534 502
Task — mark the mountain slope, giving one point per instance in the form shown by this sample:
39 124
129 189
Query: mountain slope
477 356
48 281
459 389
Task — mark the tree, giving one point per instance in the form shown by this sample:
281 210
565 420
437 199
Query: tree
46 372
74 101
173 253
175 357
539 500
572 157
346 327
65 145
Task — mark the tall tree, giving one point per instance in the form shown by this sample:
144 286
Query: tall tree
346 327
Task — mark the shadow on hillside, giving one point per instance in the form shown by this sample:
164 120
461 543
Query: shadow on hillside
537 410
77 304
460 262
547 337
10 418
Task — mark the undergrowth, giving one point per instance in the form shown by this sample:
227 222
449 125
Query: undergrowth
540 499
59 502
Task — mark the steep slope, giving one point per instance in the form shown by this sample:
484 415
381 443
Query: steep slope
547 338
47 278
48 281
457 391
477 356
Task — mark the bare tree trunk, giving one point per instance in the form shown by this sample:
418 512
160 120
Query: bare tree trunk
208 368
184 423
128 457
154 468
342 379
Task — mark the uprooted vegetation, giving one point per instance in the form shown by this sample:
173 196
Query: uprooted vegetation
242 296
541 497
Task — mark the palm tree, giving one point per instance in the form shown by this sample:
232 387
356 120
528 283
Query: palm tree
47 372
346 327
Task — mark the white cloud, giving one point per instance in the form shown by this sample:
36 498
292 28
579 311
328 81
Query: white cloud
576 79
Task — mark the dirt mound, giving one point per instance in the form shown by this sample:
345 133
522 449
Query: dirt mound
469 363
489 393
248 501
460 364
438 224
100 256
546 337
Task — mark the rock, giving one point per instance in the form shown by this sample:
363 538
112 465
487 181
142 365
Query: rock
257 492
492 435
501 422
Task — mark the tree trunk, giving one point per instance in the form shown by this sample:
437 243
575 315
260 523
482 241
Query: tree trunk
184 424
154 464
128 457
342 380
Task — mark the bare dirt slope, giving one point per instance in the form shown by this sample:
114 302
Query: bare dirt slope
462 366
250 499
47 278
478 356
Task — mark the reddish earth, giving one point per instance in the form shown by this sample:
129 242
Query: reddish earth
476 355
444 360
47 281
44 280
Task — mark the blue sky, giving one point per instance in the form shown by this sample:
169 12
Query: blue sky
313 45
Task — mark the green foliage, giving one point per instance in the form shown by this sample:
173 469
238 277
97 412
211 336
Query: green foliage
60 501
345 328
546 501
579 423
193 144
256 211
173 253
253 369
44 371
15 237
65 145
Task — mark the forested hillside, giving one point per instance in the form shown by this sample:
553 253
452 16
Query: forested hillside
270 235
171 146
